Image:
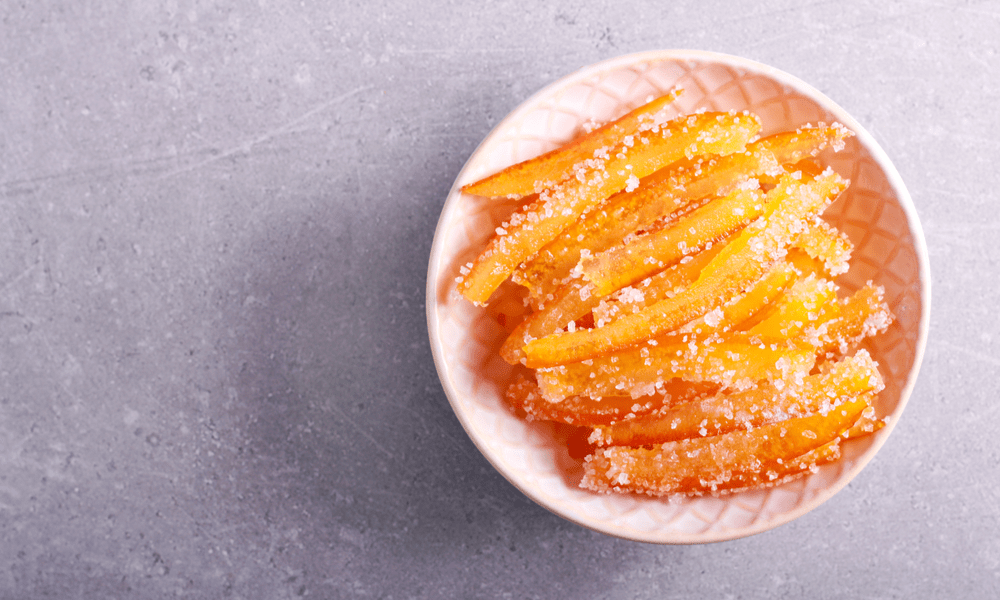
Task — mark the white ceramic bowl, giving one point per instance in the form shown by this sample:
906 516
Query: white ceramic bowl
876 212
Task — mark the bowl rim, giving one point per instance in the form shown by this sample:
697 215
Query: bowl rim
866 140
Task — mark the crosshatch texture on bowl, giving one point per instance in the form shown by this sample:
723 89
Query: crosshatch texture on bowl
876 212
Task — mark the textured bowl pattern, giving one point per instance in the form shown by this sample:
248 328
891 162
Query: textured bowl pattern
876 212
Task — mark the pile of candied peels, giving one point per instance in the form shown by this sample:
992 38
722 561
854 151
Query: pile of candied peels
681 302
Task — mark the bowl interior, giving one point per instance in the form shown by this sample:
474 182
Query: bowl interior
876 212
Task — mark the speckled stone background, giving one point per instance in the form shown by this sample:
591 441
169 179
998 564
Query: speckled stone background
215 379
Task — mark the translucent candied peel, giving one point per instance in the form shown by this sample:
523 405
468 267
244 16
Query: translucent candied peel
537 224
762 405
866 424
778 474
569 303
806 142
550 168
733 363
800 306
662 285
739 264
658 199
682 317
701 465
824 242
742 308
671 190
863 314
524 394
645 255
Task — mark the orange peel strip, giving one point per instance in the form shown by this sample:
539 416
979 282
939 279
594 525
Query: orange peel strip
655 288
575 299
746 409
552 167
580 410
740 263
790 147
737 363
647 254
668 191
825 243
744 307
807 167
803 263
700 465
800 306
789 470
866 424
750 309
802 266
864 314
777 474
537 224
569 303
737 313
659 197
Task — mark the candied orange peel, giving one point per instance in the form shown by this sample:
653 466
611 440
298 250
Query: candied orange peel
609 171
550 168
682 304
648 254
667 192
702 464
741 263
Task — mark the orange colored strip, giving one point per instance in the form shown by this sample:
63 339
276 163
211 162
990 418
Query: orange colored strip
763 405
735 362
580 410
536 174
620 266
667 192
740 263
539 223
700 465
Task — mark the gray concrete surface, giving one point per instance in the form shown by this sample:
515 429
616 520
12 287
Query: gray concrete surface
215 379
